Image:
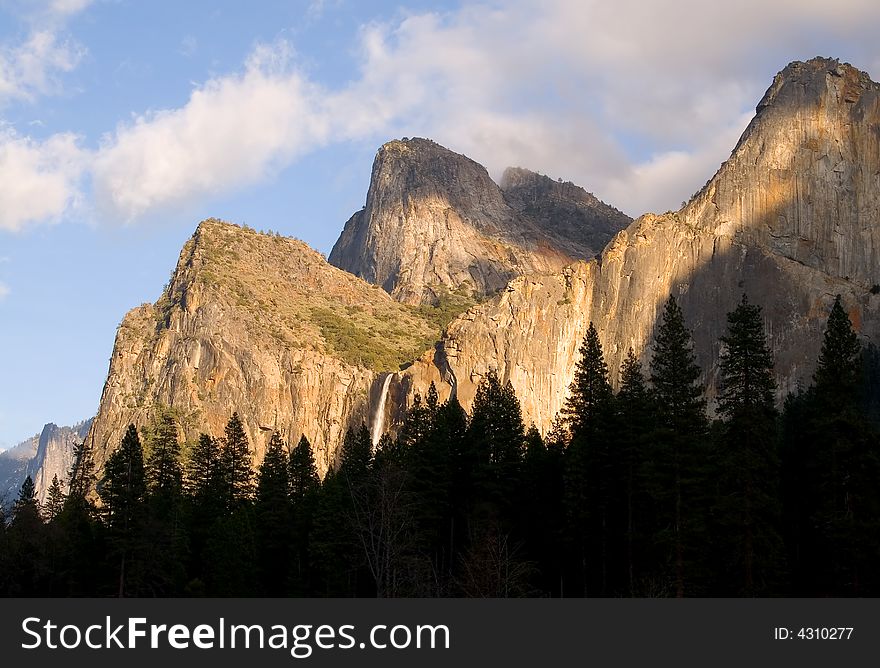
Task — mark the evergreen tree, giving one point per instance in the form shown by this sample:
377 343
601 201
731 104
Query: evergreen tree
26 505
678 456
273 517
305 486
164 473
82 473
589 476
634 429
416 424
747 508
235 464
587 407
54 500
838 373
123 491
842 447
497 434
27 549
357 453
302 472
204 473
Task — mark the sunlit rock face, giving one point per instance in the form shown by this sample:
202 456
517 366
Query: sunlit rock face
265 326
791 219
435 220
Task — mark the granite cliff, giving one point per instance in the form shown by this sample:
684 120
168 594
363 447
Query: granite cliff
262 325
434 222
41 457
265 326
792 218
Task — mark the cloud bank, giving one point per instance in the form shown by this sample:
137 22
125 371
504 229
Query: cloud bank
639 102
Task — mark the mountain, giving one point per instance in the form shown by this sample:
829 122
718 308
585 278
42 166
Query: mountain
262 325
13 468
41 457
435 222
267 327
792 218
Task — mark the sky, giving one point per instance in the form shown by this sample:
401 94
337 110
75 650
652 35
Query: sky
124 123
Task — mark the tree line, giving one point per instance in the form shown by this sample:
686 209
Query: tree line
637 492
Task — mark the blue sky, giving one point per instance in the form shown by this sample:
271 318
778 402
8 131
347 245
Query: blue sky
123 123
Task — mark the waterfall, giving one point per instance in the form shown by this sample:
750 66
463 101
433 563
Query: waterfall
379 418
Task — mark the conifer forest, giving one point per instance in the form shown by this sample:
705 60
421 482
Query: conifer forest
647 491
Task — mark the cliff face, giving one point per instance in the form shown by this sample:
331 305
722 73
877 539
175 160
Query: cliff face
265 326
54 455
13 469
791 219
41 457
261 325
435 221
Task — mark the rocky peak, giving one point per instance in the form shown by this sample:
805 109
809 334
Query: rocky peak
573 217
434 221
262 325
803 181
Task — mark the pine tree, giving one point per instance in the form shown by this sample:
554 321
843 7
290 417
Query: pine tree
26 535
843 446
497 433
123 487
747 507
273 517
54 500
838 372
634 429
82 473
204 472
678 454
164 473
302 472
587 408
235 462
589 478
416 424
26 505
123 491
357 453
305 486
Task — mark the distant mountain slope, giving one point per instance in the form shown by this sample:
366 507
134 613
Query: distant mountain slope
41 457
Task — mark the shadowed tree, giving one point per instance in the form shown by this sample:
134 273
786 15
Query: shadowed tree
747 508
123 491
54 499
273 517
678 455
589 479
235 464
634 426
837 470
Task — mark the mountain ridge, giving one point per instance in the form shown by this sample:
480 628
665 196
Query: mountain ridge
789 218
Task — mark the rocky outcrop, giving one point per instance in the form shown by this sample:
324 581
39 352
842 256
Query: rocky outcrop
13 469
791 219
41 457
261 325
55 455
575 219
435 221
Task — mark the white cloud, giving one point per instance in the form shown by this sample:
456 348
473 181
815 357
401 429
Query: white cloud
233 131
38 180
4 291
32 68
63 8
639 102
